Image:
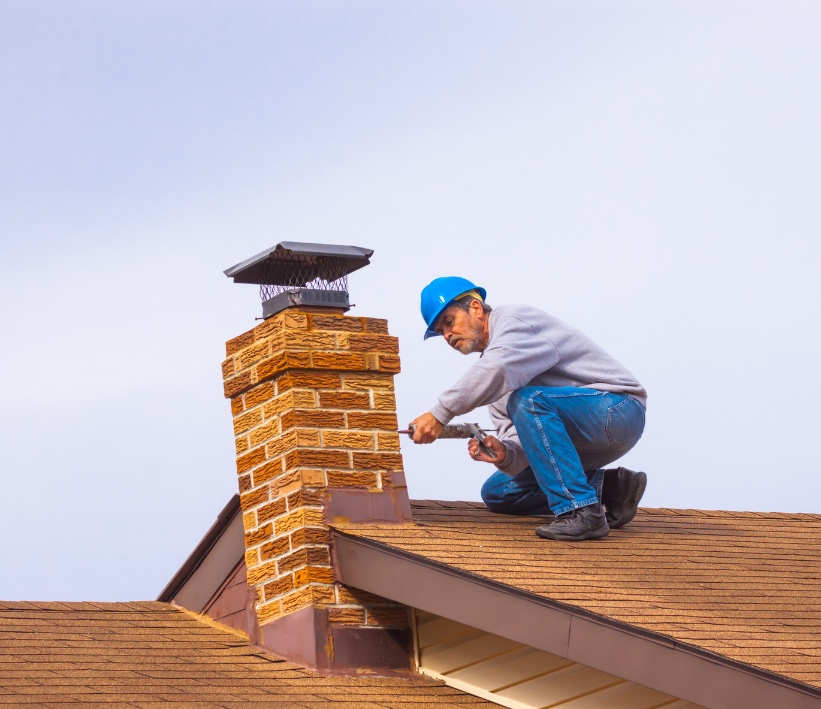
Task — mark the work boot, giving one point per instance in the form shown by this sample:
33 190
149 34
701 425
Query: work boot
583 523
621 493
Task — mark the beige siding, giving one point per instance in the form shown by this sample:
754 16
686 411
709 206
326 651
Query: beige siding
521 677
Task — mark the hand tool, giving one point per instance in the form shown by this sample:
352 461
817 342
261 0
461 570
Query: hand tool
462 430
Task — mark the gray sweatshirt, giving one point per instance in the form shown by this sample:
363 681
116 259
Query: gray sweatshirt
528 347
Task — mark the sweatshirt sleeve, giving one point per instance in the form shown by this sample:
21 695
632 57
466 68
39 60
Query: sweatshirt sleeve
516 353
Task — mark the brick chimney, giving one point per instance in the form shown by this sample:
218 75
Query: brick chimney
312 397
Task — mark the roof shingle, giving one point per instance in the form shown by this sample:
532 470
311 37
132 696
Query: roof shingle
746 586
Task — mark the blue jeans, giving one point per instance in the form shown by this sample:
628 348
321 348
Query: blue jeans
568 434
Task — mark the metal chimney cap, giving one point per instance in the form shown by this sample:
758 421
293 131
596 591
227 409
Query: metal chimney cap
325 261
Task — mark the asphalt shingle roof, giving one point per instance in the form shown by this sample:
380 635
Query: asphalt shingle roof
743 585
152 654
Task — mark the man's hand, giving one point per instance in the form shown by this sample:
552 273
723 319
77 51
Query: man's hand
491 442
428 429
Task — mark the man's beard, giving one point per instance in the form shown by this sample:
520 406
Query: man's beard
469 343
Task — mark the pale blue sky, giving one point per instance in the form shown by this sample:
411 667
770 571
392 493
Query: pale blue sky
650 172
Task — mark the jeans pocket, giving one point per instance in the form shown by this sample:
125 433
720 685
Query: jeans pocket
625 421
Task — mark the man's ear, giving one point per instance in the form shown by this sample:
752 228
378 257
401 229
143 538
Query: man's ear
476 308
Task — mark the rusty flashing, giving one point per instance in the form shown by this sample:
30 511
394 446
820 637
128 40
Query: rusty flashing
647 658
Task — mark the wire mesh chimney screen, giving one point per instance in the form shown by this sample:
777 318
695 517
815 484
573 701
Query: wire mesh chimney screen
301 274
284 270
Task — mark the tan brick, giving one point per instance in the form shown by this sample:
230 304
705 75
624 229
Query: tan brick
295 560
237 384
367 380
314 418
296 479
269 611
259 535
294 320
310 340
247 420
271 326
228 368
338 478
296 600
249 520
376 325
259 395
271 510
274 407
309 457
251 355
250 459
319 556
389 363
274 548
268 471
313 574
385 400
262 573
308 437
338 360
347 595
344 400
237 407
387 441
347 439
282 443
251 557
260 434
347 616
310 535
387 617
334 322
254 498
239 343
304 399
281 362
278 587
321 593
245 483
377 461
380 420
303 517
241 445
369 343
304 380
305 498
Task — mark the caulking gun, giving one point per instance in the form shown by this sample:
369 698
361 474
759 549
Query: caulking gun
461 430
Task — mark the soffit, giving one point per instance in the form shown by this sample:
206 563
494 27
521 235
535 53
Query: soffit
745 586
135 654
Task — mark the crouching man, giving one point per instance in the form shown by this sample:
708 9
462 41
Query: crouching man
563 407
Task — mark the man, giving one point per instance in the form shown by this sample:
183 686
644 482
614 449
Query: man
562 406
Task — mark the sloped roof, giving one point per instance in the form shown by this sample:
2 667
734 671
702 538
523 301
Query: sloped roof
142 654
743 586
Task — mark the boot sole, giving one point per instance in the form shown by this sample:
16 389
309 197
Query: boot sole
638 484
545 533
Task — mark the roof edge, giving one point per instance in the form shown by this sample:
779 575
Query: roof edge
641 656
190 565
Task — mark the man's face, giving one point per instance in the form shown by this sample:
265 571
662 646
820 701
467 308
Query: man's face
464 330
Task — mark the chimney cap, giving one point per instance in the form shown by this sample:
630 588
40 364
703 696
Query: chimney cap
273 266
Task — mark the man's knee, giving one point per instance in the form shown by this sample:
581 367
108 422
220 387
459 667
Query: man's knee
492 494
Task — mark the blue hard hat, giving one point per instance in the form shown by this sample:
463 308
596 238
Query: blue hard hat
439 294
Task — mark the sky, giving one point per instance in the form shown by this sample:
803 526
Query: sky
648 172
